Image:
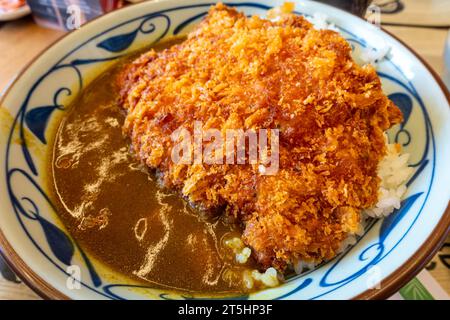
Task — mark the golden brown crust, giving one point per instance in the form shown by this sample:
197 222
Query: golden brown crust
250 73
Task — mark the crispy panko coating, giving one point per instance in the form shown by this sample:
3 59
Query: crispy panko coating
239 72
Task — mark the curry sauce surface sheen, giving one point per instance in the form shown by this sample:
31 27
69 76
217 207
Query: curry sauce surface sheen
118 213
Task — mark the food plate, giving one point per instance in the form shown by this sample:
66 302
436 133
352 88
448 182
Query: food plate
390 251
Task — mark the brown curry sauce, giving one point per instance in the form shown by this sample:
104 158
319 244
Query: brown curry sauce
116 211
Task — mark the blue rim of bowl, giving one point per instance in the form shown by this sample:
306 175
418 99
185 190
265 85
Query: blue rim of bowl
389 285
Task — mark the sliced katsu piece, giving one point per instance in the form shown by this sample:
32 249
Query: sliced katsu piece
234 72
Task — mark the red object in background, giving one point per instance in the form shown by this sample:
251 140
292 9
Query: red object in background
69 14
108 5
10 5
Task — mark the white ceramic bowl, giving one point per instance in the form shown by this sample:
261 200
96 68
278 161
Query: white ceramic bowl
43 254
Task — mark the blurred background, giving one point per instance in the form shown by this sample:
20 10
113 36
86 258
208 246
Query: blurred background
29 26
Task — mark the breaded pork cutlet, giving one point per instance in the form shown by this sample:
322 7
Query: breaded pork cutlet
250 73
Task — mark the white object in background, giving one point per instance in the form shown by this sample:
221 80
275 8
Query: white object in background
447 61
15 14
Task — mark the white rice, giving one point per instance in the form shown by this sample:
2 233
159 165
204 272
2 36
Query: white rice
320 22
302 266
394 172
373 55
269 278
368 54
242 253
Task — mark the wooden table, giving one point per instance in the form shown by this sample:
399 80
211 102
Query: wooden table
23 40
20 42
